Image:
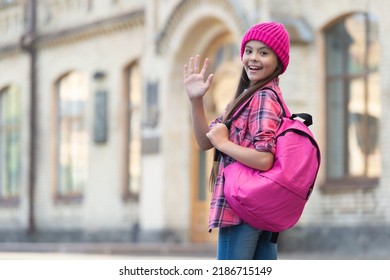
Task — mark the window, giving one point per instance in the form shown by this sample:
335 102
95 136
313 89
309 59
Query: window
133 99
10 143
353 100
72 134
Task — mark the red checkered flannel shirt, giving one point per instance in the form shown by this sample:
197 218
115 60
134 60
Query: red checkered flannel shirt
255 128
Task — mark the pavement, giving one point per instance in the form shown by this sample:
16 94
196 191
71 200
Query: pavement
27 260
158 251
93 251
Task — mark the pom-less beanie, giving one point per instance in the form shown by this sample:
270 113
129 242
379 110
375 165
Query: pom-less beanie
272 34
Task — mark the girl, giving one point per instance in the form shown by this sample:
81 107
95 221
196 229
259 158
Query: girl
265 55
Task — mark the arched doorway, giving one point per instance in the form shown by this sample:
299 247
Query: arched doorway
224 63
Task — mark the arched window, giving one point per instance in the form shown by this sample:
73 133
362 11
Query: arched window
72 133
353 101
132 101
10 143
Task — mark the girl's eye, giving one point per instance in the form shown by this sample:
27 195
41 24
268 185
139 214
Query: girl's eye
248 51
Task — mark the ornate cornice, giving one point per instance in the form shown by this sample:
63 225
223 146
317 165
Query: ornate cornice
97 28
81 32
186 7
10 50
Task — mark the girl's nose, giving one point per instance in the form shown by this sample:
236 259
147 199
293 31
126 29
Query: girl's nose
254 57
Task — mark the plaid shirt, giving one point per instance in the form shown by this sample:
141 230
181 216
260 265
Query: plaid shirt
255 128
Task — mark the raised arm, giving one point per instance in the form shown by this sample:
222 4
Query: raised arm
196 87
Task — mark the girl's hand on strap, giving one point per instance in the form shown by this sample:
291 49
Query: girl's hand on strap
218 135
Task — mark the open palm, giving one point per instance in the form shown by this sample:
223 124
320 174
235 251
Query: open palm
194 80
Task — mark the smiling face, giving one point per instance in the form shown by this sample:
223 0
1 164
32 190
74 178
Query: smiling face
259 61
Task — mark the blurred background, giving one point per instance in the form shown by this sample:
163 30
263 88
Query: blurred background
96 144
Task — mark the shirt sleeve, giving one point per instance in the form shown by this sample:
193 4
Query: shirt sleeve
217 120
264 120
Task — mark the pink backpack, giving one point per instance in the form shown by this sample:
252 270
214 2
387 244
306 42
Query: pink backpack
274 200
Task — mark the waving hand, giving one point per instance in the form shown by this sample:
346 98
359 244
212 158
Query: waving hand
194 80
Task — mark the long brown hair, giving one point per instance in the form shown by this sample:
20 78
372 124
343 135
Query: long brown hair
243 93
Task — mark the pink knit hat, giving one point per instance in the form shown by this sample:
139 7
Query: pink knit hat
272 34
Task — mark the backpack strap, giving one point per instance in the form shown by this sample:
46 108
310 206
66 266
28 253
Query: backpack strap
228 123
307 118
286 111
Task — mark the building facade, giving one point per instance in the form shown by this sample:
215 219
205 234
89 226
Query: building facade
96 140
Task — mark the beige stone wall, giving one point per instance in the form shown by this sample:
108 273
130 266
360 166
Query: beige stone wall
102 206
383 192
14 69
170 31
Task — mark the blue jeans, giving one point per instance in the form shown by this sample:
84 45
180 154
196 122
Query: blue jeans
243 242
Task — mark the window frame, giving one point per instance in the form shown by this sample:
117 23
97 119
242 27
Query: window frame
348 181
128 111
72 196
12 199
